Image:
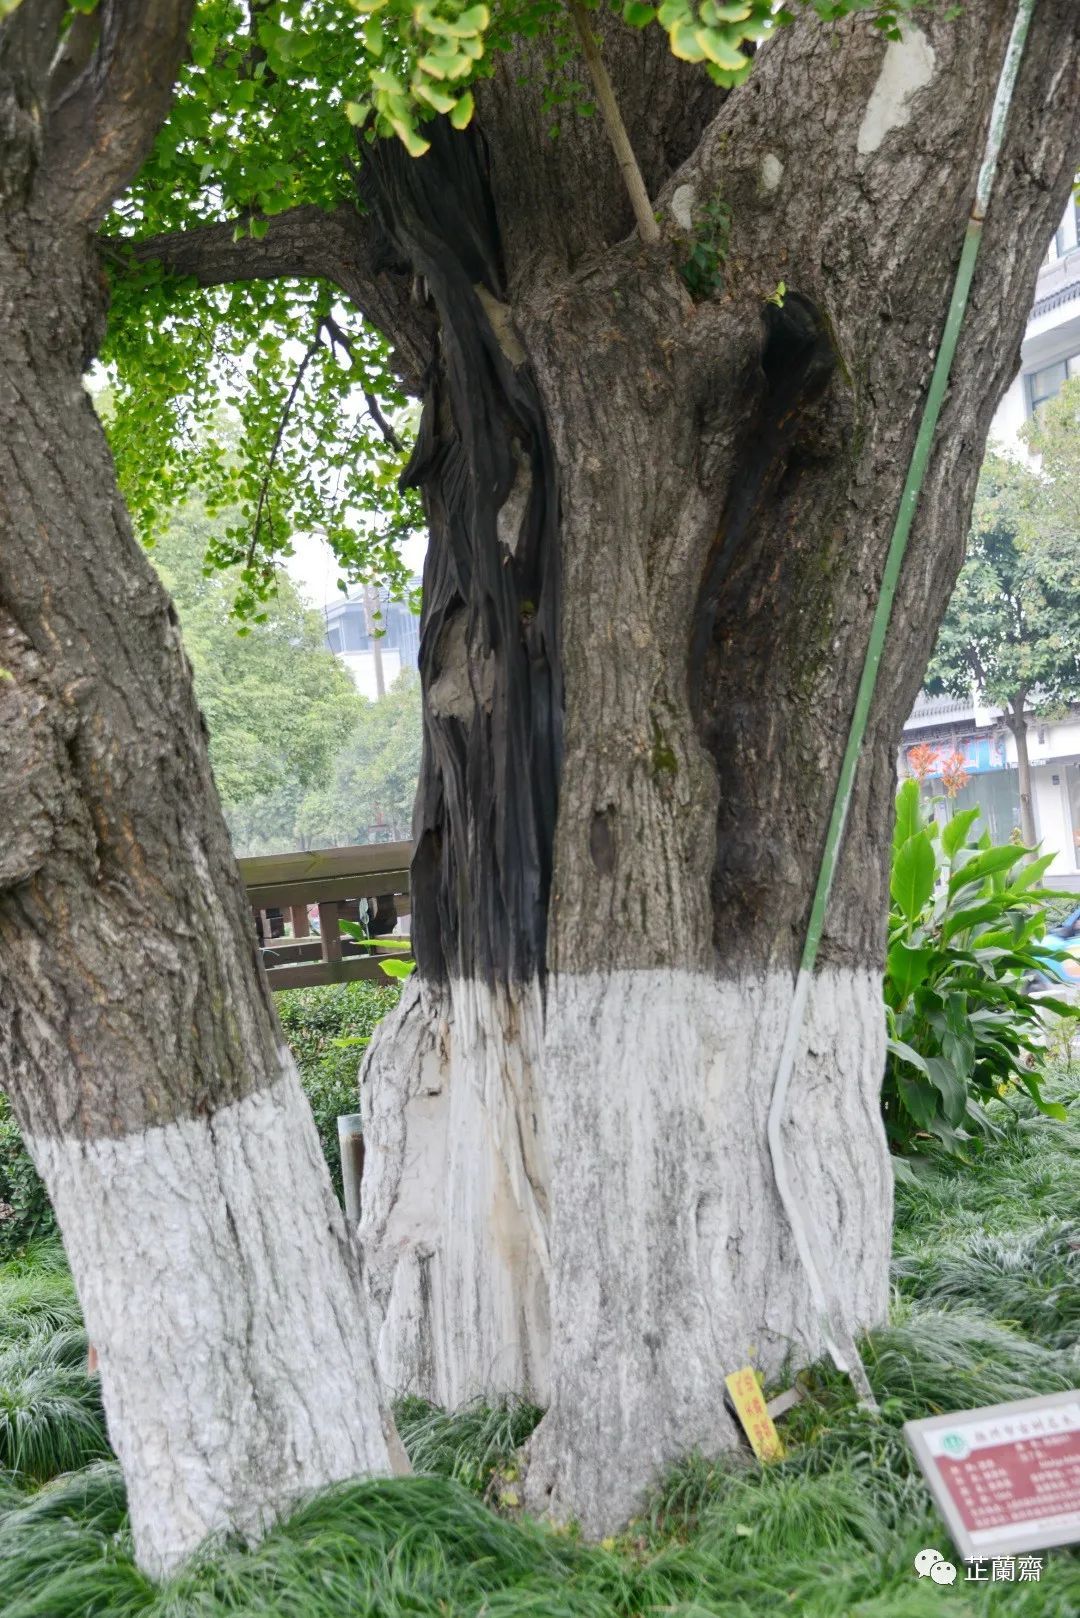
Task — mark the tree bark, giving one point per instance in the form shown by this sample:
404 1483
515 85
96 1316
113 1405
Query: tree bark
138 1044
658 525
1017 723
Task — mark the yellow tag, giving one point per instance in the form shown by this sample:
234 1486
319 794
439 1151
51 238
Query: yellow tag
757 1424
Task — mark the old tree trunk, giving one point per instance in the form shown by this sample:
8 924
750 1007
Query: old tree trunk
137 1042
659 515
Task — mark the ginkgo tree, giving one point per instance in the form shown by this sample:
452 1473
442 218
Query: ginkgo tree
670 288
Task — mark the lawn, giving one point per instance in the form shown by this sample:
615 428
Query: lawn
987 1308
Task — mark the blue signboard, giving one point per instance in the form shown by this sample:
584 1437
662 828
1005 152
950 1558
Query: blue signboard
978 755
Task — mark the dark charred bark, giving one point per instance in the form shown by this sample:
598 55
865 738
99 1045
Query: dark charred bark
796 427
489 654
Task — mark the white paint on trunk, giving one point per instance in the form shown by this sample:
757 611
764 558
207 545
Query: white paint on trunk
622 1124
454 1197
224 1298
682 206
772 171
908 68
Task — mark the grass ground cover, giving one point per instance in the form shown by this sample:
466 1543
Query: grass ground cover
987 1308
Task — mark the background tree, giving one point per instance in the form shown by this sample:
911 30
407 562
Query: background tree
300 758
279 706
371 786
670 393
1012 630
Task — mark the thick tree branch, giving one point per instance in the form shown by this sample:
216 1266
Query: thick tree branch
101 128
341 247
28 38
74 53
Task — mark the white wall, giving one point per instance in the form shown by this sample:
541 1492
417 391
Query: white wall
1052 821
1048 337
1050 748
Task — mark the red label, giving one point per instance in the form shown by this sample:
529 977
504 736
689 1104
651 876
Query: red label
1027 1480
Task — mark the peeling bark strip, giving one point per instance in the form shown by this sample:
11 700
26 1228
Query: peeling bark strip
489 649
455 1206
137 1040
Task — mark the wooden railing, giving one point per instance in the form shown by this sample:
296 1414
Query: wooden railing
282 886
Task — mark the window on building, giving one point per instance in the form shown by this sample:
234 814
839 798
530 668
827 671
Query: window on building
996 795
333 638
355 627
402 632
1048 382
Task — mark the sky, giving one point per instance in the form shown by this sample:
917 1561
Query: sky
315 571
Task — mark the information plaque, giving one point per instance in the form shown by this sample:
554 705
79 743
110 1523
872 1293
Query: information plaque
1006 1478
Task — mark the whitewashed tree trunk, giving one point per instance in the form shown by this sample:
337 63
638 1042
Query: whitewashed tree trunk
654 1192
673 1262
229 1319
647 601
452 1101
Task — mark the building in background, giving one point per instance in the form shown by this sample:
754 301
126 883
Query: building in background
373 660
1051 347
944 733
947 727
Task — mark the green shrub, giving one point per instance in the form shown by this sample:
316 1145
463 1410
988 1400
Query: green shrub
963 936
1029 1279
327 1028
50 1410
25 1210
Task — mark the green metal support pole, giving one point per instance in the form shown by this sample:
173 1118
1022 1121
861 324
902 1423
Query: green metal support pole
838 1339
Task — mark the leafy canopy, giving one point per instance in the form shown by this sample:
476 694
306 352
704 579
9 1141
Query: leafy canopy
1013 625
263 121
